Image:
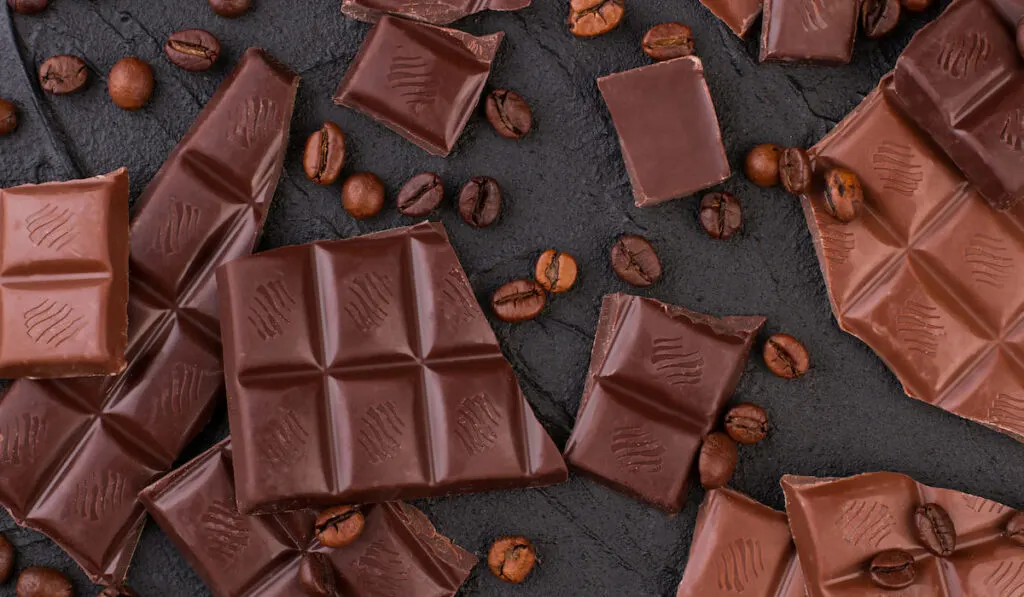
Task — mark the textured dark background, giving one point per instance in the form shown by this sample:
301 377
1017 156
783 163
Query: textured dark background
566 188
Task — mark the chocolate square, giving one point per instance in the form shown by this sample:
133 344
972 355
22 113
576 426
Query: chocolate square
809 30
738 15
438 12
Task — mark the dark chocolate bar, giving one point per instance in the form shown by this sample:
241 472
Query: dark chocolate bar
438 12
659 377
421 81
75 453
398 554
738 15
809 30
364 370
64 278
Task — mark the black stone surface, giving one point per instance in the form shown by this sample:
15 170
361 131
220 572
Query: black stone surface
566 188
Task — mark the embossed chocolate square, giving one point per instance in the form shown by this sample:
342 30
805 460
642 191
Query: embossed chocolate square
659 377
421 81
64 278
437 12
738 15
809 30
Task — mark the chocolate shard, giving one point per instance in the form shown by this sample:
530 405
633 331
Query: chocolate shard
738 15
437 12
75 453
809 31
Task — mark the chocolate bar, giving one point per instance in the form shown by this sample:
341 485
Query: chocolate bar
364 370
741 547
738 15
421 81
961 79
840 525
809 30
438 12
398 553
668 129
659 377
64 278
929 275
75 453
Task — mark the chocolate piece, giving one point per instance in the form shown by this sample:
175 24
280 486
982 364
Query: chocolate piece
64 278
75 453
438 12
659 377
738 15
741 547
363 371
667 128
809 30
928 275
399 552
421 81
961 79
841 525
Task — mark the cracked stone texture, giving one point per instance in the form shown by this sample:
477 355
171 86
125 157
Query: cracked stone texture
566 188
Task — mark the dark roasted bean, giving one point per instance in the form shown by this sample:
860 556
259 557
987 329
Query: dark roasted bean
339 526
590 18
43 582
519 300
8 117
762 165
318 576
508 113
63 74
795 170
480 202
511 559
844 195
717 460
879 17
362 195
6 559
27 7
421 195
634 261
325 154
746 423
667 41
556 271
786 357
230 8
721 215
935 529
893 569
192 49
130 83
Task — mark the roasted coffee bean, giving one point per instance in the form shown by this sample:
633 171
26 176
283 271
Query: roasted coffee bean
6 559
8 117
786 357
511 559
844 195
879 17
63 74
339 526
480 202
27 7
43 582
508 113
762 165
519 300
318 577
192 49
421 195
667 41
746 423
590 18
117 592
917 5
556 271
230 8
893 569
721 215
130 83
325 154
795 170
935 529
362 195
717 460
635 262
1015 529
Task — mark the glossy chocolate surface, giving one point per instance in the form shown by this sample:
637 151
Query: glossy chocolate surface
809 30
738 15
438 12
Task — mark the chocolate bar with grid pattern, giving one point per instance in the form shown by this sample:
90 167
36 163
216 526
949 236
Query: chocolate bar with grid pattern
809 30
438 12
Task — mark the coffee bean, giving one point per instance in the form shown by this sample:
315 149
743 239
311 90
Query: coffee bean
130 83
192 49
667 41
556 271
1015 529
635 262
480 202
786 357
8 117
518 300
508 113
63 74
917 5
721 215
762 165
318 577
879 17
421 195
795 170
590 18
511 559
717 460
935 530
746 423
325 154
339 526
362 195
893 569
844 195
117 592
6 559
230 8
27 7
43 582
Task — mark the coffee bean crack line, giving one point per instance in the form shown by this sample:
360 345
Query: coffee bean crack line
324 146
189 48
511 557
596 10
336 521
500 100
783 356
518 297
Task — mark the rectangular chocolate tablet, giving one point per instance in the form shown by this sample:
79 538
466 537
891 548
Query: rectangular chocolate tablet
741 547
668 129
840 525
421 81
961 80
75 453
738 15
64 278
363 370
399 552
438 12
929 275
809 30
659 377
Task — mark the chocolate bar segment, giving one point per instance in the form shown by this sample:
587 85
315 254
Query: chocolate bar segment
438 12
64 278
738 15
75 453
363 371
839 525
421 81
659 377
809 30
